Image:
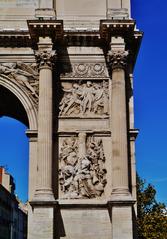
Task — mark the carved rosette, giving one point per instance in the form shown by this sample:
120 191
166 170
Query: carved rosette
117 59
45 58
82 175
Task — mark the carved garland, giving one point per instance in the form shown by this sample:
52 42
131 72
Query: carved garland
86 70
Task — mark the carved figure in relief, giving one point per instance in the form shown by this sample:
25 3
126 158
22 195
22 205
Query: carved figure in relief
88 98
68 161
26 75
71 101
82 177
101 97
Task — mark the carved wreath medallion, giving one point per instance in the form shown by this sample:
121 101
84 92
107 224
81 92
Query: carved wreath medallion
86 70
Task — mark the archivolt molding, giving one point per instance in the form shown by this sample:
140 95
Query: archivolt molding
24 97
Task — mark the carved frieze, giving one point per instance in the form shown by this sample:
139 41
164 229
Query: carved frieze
86 70
82 175
26 75
88 99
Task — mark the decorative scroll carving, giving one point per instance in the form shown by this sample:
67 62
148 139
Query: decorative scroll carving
26 75
117 59
88 99
82 177
45 58
87 70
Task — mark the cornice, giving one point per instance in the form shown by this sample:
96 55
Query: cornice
54 29
45 28
11 38
125 29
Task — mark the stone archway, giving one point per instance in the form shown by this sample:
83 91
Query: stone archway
24 100
17 103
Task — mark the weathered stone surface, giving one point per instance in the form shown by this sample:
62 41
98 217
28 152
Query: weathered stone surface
84 223
42 223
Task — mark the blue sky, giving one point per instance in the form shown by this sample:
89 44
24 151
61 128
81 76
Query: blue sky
14 153
150 90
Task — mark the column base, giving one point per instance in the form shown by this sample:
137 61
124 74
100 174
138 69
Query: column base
122 222
43 195
122 218
121 194
41 220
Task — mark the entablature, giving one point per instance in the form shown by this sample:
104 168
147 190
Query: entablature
126 29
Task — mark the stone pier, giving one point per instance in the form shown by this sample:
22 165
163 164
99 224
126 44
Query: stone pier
67 66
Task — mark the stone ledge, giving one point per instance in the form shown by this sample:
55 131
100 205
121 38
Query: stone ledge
43 203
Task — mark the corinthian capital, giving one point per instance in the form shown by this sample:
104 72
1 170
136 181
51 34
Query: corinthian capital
117 58
45 58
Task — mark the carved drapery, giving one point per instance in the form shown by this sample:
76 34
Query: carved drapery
82 176
24 74
89 99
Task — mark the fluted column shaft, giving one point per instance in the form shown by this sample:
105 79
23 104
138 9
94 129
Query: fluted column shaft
120 186
119 132
45 141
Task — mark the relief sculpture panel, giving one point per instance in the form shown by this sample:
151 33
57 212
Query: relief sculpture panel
25 75
89 99
82 172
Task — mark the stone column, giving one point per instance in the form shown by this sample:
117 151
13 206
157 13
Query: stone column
44 58
117 59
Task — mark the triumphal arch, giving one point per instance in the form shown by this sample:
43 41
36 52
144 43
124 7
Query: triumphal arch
66 71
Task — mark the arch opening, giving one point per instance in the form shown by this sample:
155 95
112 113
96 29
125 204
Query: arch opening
16 116
12 107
